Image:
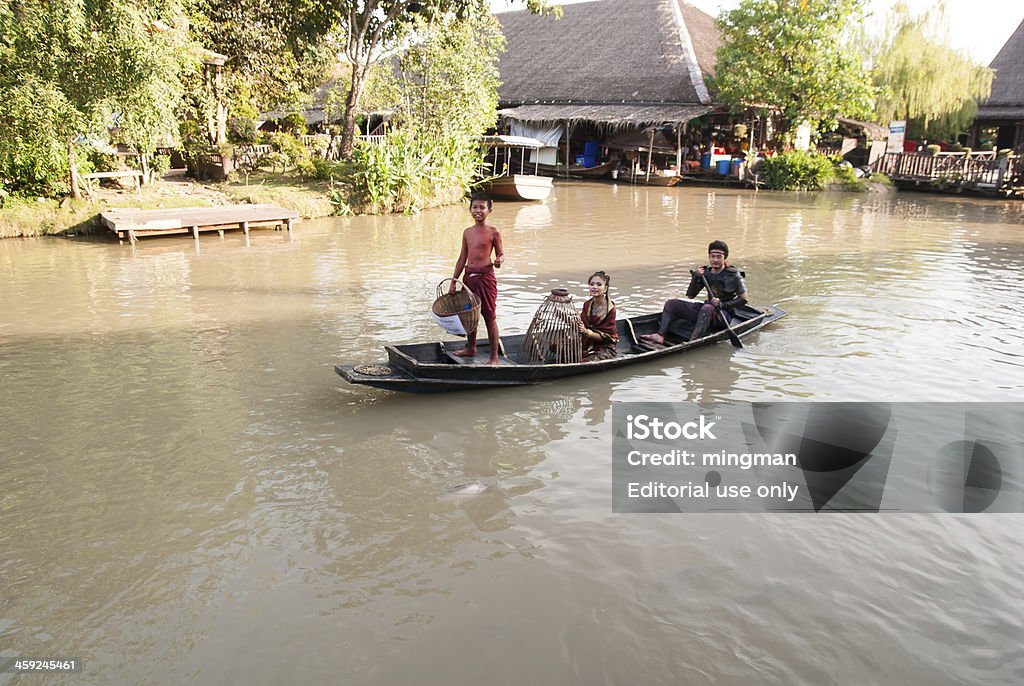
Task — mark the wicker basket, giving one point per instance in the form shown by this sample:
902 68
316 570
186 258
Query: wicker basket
554 334
463 304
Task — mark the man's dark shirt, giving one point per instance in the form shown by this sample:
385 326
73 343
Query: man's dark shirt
726 284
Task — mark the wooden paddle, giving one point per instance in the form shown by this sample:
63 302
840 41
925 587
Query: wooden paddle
711 294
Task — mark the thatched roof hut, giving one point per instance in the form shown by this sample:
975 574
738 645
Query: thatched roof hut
1005 107
608 62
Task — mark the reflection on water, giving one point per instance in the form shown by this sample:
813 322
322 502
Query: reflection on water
190 490
533 216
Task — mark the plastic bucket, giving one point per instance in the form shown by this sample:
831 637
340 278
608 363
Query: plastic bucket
723 167
705 162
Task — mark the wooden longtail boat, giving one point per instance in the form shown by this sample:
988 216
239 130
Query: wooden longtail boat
652 180
577 170
431 367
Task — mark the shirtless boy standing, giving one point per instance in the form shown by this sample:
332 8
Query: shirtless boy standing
477 243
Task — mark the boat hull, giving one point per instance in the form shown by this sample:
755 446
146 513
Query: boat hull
576 170
519 187
652 180
430 367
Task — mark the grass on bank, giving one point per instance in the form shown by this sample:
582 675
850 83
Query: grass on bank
44 217
308 198
78 217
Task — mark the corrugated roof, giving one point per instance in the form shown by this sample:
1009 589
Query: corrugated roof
628 51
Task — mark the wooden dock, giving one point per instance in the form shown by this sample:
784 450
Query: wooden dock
984 172
133 224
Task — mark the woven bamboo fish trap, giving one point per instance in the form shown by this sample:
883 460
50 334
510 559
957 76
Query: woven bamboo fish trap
554 333
463 303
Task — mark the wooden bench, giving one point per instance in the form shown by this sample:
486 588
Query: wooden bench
95 176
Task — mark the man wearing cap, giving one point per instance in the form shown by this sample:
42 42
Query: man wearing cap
727 292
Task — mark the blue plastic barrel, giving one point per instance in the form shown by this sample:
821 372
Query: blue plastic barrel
723 167
705 162
589 160
590 148
579 160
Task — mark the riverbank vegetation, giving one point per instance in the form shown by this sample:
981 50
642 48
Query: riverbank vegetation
811 62
448 87
78 74
805 171
441 89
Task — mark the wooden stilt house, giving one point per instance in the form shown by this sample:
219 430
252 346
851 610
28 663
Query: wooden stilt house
606 67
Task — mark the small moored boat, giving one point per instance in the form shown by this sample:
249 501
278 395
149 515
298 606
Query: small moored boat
431 367
519 187
578 170
656 179
505 184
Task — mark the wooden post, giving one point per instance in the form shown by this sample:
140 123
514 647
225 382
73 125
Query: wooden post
568 136
245 228
679 148
211 118
650 155
131 237
195 232
288 223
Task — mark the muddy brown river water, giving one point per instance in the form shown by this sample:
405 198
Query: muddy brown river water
189 494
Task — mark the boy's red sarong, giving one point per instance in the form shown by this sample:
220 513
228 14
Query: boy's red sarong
485 285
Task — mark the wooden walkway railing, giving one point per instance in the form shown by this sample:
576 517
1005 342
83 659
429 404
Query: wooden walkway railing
983 171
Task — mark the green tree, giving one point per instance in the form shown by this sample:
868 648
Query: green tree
444 97
923 80
275 52
793 59
71 67
450 78
373 30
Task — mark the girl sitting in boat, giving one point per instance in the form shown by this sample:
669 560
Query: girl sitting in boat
597 321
